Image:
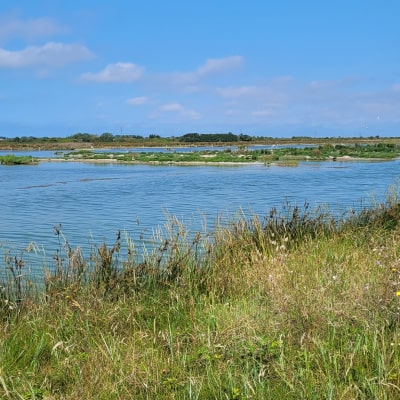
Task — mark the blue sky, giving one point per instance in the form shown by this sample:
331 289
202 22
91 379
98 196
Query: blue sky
264 68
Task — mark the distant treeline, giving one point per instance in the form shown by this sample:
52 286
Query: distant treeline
109 138
79 137
156 140
215 137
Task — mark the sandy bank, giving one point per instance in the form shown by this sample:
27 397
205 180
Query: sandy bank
202 163
115 161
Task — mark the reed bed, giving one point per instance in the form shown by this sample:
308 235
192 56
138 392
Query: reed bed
293 305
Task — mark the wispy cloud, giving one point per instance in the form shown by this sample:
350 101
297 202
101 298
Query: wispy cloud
137 101
218 65
120 72
237 92
268 112
49 55
309 103
171 107
191 114
177 109
211 67
127 72
12 27
273 87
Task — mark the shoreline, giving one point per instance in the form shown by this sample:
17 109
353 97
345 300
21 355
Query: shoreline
9 145
165 163
283 163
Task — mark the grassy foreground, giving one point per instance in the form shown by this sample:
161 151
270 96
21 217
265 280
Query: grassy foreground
291 306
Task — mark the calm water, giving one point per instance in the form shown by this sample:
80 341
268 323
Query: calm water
92 202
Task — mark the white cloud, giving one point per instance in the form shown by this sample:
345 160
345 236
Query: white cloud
329 102
217 65
284 99
239 91
12 27
211 67
171 107
126 72
191 114
263 113
274 87
178 109
137 101
116 73
49 55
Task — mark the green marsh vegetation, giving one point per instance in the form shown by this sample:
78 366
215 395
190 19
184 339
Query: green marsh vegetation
242 154
286 155
11 159
293 305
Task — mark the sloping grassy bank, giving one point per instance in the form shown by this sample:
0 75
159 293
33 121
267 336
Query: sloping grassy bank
290 306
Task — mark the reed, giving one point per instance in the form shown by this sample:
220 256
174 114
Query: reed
295 305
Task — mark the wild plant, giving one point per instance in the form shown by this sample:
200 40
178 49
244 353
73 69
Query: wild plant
16 285
295 224
174 257
69 271
106 270
384 214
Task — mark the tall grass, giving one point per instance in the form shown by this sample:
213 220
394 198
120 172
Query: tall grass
294 305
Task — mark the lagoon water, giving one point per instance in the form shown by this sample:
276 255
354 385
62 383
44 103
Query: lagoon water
92 202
